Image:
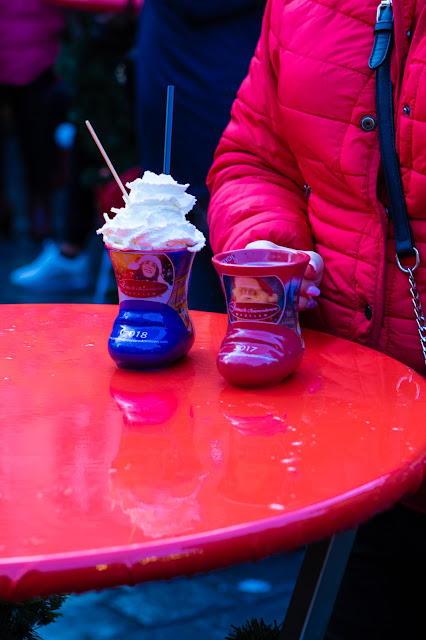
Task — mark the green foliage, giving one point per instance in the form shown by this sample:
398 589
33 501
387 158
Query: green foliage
19 621
255 630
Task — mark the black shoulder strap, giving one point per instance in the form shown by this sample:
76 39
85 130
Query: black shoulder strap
380 62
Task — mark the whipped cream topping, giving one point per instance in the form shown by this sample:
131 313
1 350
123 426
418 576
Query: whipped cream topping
153 217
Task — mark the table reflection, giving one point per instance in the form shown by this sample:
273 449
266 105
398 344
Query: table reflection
156 477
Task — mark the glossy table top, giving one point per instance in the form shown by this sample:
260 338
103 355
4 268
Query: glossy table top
112 477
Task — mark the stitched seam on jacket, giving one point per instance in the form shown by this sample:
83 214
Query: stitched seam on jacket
353 311
354 284
326 221
333 10
328 62
350 255
316 115
269 115
419 81
417 60
335 169
346 133
386 320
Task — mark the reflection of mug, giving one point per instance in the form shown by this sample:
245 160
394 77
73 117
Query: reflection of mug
263 343
153 328
143 405
156 475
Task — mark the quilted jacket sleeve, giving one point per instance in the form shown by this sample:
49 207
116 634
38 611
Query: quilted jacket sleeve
257 190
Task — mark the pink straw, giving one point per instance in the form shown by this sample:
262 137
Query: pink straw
107 160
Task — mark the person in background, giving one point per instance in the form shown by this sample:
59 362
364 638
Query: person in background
299 166
203 49
95 60
35 100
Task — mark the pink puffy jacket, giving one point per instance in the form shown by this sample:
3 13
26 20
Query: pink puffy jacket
29 39
299 164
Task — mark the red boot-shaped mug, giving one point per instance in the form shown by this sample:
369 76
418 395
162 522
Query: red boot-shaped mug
263 343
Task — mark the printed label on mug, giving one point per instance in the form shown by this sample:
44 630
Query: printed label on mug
144 276
254 298
262 299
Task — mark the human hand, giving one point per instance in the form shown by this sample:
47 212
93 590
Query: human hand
309 289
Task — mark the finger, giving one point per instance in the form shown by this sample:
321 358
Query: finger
308 287
306 302
312 303
313 291
303 303
311 271
315 268
262 244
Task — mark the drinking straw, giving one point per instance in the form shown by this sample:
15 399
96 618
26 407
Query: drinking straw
107 160
169 129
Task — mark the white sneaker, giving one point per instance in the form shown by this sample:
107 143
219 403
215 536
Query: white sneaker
51 271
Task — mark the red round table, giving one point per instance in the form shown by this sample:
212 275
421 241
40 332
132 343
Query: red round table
111 477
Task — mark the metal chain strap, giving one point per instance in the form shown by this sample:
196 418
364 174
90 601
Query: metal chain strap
418 309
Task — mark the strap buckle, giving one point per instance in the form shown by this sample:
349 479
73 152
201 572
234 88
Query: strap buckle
409 270
382 5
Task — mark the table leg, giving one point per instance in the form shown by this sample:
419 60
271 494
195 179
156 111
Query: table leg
317 587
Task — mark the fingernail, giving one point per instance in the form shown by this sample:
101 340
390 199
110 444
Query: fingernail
311 304
313 290
314 266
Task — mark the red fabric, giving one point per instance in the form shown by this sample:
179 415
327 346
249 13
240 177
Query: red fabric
110 195
110 6
296 122
30 35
